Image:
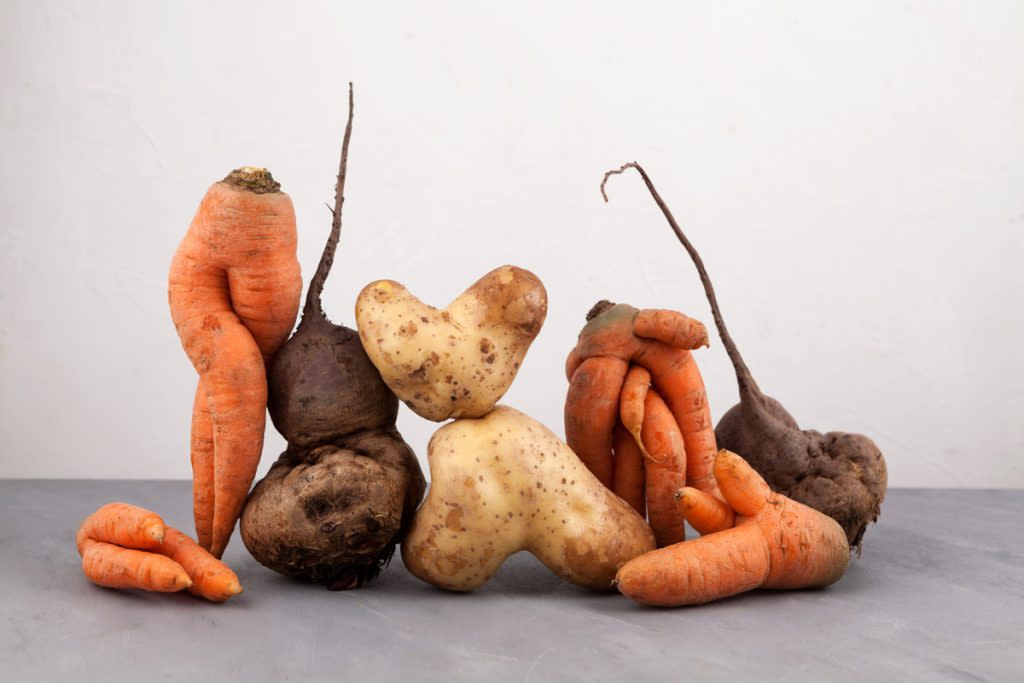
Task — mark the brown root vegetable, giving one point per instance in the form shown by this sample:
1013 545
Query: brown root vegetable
841 474
336 502
333 514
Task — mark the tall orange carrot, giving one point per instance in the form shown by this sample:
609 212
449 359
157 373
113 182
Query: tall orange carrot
234 290
665 470
776 543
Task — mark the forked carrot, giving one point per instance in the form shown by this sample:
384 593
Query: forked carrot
234 290
776 543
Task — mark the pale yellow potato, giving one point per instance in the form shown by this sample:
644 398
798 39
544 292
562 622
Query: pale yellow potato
460 360
504 483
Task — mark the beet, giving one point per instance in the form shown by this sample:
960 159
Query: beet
841 474
336 502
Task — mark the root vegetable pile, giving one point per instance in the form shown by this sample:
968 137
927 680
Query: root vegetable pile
234 291
841 474
336 502
636 412
756 539
124 546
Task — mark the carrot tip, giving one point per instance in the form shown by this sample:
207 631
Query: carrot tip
233 588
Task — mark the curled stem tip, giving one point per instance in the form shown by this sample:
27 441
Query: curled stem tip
617 171
743 376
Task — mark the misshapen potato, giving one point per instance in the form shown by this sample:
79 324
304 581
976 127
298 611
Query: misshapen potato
505 483
460 360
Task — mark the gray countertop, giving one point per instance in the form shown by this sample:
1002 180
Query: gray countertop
938 594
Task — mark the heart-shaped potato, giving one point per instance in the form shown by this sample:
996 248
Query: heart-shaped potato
460 360
504 483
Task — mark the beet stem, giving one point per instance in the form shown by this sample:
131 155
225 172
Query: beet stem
743 377
313 306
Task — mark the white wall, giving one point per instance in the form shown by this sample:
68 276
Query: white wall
852 173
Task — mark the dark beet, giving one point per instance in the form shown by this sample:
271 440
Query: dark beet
334 505
840 474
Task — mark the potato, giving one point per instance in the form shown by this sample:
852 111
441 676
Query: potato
504 483
458 361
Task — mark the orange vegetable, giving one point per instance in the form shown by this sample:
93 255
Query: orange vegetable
210 578
666 470
776 543
591 410
631 401
124 546
234 290
112 566
630 478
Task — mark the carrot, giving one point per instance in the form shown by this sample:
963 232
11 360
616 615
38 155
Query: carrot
659 341
112 566
202 467
630 478
665 470
121 524
675 375
705 512
591 410
233 289
210 578
776 543
631 401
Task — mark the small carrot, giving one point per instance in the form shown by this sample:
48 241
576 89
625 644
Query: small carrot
705 512
776 543
210 578
121 524
112 566
631 401
591 411
665 470
630 478
233 290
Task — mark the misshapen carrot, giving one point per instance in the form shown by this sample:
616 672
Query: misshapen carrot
630 477
705 513
665 470
234 290
210 578
591 411
121 524
631 401
777 543
124 546
112 566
